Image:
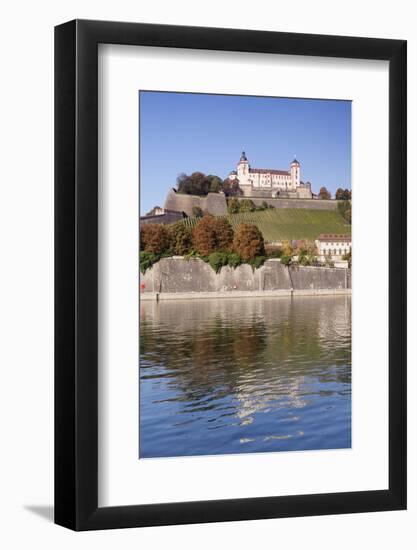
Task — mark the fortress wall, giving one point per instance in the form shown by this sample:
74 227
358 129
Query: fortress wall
176 275
214 203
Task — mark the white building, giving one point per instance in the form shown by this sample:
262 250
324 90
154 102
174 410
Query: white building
333 246
270 182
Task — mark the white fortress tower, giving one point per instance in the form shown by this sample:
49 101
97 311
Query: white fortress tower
265 182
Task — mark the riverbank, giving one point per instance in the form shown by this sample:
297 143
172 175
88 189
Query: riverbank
152 296
181 277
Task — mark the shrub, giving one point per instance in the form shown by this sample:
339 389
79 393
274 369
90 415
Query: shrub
180 238
217 260
154 238
348 257
248 241
234 260
224 234
276 253
304 260
197 212
146 260
246 205
345 210
286 260
233 206
287 248
257 262
204 235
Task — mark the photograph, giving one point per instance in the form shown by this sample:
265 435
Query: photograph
244 278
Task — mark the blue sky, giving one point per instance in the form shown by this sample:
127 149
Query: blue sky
200 132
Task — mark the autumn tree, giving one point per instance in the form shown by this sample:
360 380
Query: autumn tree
204 235
231 188
324 193
180 238
154 237
343 194
248 241
224 234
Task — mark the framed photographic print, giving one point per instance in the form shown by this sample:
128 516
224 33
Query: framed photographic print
230 275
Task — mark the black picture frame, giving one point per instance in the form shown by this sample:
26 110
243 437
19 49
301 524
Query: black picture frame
76 272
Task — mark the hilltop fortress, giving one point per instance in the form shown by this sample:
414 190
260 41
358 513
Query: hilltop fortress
278 188
265 182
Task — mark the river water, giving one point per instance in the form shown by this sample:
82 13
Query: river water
244 375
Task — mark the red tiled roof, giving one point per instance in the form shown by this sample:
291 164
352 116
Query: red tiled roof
333 237
267 171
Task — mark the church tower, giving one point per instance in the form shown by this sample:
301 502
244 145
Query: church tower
295 173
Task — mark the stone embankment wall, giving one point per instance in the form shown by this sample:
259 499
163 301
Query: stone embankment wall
172 275
215 203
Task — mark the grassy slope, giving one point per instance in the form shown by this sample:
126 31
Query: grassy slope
290 223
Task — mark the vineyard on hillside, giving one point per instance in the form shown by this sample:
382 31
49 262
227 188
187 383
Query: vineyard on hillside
279 224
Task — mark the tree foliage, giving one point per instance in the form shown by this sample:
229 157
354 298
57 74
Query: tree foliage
345 210
180 238
204 236
224 234
236 206
216 183
154 237
197 212
343 194
324 193
212 235
231 188
198 183
248 241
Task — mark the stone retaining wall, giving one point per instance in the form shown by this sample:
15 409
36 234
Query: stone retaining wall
172 275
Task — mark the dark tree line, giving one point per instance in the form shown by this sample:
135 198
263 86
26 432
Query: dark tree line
201 184
343 194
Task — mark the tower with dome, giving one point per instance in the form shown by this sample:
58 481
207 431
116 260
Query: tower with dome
266 182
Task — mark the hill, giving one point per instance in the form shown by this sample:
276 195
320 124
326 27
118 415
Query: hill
289 223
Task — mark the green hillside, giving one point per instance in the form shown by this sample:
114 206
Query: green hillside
289 223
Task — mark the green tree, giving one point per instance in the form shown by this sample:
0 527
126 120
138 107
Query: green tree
246 205
233 206
345 210
198 184
180 238
215 184
248 241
